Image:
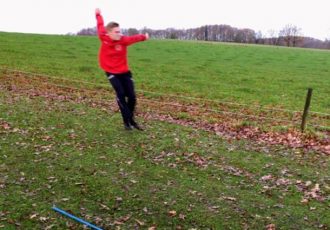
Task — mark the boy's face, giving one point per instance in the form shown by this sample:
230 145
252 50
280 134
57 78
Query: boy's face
115 34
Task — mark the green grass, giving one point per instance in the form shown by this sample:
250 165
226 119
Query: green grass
249 74
80 159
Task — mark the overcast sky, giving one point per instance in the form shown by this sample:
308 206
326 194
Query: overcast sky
64 16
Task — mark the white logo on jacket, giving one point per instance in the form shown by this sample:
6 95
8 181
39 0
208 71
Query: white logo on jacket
118 47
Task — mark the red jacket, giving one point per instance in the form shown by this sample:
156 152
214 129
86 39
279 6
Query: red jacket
113 54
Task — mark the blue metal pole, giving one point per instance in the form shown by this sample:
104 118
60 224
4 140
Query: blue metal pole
64 213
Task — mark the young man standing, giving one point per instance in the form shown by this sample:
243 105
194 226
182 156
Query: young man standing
113 60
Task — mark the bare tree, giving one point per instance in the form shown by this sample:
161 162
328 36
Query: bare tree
327 43
206 33
297 36
273 37
291 34
259 37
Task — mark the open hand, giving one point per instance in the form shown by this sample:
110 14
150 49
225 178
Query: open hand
97 11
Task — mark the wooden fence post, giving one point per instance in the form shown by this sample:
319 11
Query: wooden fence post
307 104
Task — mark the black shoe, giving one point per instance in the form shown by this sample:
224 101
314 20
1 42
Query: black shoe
136 126
128 127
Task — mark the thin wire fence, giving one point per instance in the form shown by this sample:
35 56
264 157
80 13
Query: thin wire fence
215 111
293 114
260 107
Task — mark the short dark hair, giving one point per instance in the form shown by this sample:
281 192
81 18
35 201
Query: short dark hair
111 25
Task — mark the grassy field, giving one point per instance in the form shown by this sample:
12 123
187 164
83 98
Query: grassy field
170 177
57 151
248 74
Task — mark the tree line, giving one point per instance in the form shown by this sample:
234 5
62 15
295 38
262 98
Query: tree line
290 35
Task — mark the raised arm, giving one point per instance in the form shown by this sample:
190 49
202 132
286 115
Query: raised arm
102 33
136 38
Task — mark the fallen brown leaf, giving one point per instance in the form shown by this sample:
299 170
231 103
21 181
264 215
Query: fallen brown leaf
172 213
